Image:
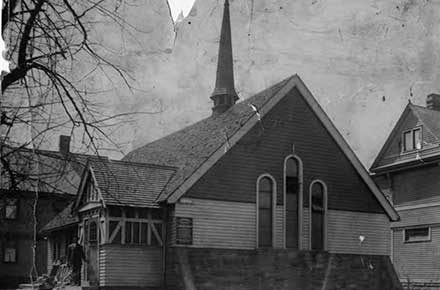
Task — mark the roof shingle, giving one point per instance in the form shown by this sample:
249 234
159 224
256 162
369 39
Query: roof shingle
430 118
188 148
130 184
63 219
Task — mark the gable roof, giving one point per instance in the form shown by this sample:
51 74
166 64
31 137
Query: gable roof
430 120
52 171
127 183
194 149
63 219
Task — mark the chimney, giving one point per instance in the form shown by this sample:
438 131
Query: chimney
224 95
433 102
64 145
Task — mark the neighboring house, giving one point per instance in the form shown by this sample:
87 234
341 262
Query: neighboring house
408 171
54 176
263 194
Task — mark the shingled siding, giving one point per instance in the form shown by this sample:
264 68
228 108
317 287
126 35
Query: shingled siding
416 184
130 266
418 216
417 261
223 224
290 122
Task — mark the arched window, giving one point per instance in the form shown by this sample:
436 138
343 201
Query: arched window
318 211
293 199
266 190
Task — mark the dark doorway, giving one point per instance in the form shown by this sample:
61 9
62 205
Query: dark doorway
292 197
318 216
91 252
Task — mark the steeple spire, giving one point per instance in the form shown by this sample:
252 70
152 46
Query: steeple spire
224 95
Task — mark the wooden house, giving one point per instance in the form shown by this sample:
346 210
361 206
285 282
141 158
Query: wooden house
50 175
407 169
263 194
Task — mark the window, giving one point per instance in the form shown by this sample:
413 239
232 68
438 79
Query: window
93 232
417 235
292 188
90 191
265 200
412 140
10 252
56 250
9 208
318 208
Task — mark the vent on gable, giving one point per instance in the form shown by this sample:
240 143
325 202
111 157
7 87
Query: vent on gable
433 102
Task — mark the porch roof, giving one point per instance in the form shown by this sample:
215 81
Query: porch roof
64 219
125 183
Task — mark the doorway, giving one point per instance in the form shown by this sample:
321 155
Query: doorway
91 241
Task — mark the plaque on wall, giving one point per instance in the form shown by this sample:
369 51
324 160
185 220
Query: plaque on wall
184 231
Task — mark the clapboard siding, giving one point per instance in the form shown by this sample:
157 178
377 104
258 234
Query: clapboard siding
417 261
345 227
218 224
122 265
279 227
232 225
419 216
290 122
225 224
49 255
305 229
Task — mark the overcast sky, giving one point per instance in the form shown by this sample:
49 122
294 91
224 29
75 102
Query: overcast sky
180 5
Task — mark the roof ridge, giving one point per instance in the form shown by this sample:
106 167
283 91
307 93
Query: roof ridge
425 108
142 164
240 103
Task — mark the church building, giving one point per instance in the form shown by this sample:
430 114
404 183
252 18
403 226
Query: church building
263 194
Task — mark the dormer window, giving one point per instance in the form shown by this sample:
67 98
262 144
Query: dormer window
412 140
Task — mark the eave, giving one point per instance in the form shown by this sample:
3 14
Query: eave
423 160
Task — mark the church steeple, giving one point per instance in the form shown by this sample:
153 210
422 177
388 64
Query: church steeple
224 95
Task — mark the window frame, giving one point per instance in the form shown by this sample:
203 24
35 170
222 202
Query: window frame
4 205
300 199
325 204
412 138
8 246
423 240
257 208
